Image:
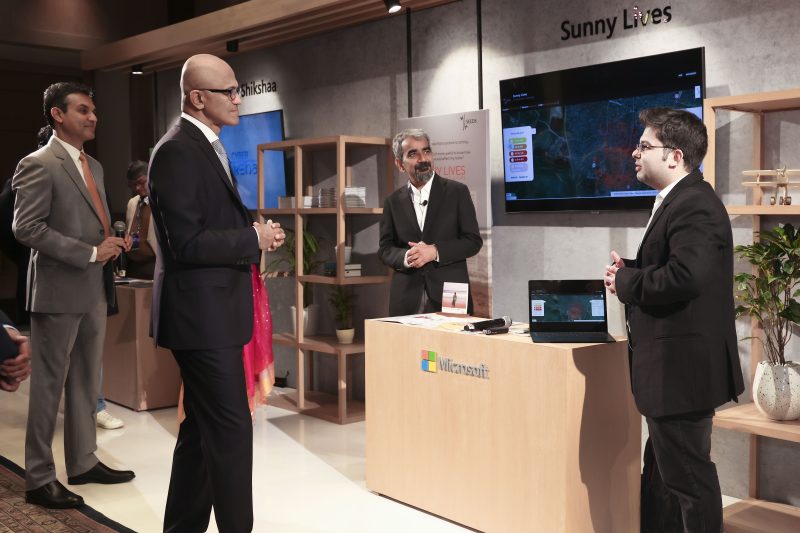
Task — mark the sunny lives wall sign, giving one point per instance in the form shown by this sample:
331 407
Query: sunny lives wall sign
636 17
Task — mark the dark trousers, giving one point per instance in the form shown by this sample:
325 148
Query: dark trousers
213 460
680 488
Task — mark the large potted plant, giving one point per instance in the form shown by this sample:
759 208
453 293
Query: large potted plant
341 299
287 256
770 294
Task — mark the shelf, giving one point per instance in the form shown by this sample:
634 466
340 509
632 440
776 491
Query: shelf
758 102
317 210
320 211
333 280
319 343
319 143
278 211
366 280
339 218
747 419
320 405
767 210
284 339
757 516
363 210
329 344
754 515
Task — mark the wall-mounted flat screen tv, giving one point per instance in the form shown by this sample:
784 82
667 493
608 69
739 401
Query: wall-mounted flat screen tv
568 135
240 142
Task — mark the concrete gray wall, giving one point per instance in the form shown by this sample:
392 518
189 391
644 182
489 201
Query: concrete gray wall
353 81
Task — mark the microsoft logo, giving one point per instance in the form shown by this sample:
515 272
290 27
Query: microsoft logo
428 361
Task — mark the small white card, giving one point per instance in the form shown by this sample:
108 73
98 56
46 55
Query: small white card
455 297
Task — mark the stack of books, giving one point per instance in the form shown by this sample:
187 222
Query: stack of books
355 196
327 197
352 270
285 201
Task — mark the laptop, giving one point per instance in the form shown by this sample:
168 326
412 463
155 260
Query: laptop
568 311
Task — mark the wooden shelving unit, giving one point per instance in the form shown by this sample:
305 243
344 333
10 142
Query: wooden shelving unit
747 419
754 515
336 408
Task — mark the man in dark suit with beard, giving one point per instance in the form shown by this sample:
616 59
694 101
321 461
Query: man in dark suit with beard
428 230
203 300
678 296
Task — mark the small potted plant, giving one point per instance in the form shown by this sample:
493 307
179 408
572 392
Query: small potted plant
287 255
769 294
341 299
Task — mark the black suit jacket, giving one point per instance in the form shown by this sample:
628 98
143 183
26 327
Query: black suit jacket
8 243
202 292
450 224
8 348
679 301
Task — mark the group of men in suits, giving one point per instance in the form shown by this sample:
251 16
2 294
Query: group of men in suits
210 244
677 291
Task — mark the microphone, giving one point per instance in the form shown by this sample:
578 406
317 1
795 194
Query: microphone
488 324
424 203
122 261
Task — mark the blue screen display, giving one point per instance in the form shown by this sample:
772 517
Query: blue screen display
240 142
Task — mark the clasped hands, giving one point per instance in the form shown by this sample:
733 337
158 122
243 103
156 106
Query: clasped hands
16 370
270 235
611 272
421 254
111 247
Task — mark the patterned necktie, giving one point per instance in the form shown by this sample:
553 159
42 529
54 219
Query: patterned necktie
91 186
223 158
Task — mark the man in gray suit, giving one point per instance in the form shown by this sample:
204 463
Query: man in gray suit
60 212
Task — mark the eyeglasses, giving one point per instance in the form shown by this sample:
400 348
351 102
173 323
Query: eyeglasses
232 93
643 147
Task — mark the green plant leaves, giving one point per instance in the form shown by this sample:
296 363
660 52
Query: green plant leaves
769 293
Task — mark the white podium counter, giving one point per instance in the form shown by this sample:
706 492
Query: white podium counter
505 435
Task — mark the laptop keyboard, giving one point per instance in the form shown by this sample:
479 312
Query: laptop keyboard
577 337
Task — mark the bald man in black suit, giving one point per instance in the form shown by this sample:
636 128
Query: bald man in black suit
203 300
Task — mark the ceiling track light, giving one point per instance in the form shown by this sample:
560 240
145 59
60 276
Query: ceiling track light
232 45
137 70
393 6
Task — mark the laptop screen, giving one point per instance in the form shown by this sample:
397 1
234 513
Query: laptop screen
567 305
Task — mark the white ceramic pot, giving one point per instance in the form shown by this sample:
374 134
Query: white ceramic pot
310 319
776 390
345 336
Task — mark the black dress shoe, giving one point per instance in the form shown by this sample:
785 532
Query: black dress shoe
102 474
53 495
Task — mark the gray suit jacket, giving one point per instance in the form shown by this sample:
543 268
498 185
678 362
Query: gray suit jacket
55 217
